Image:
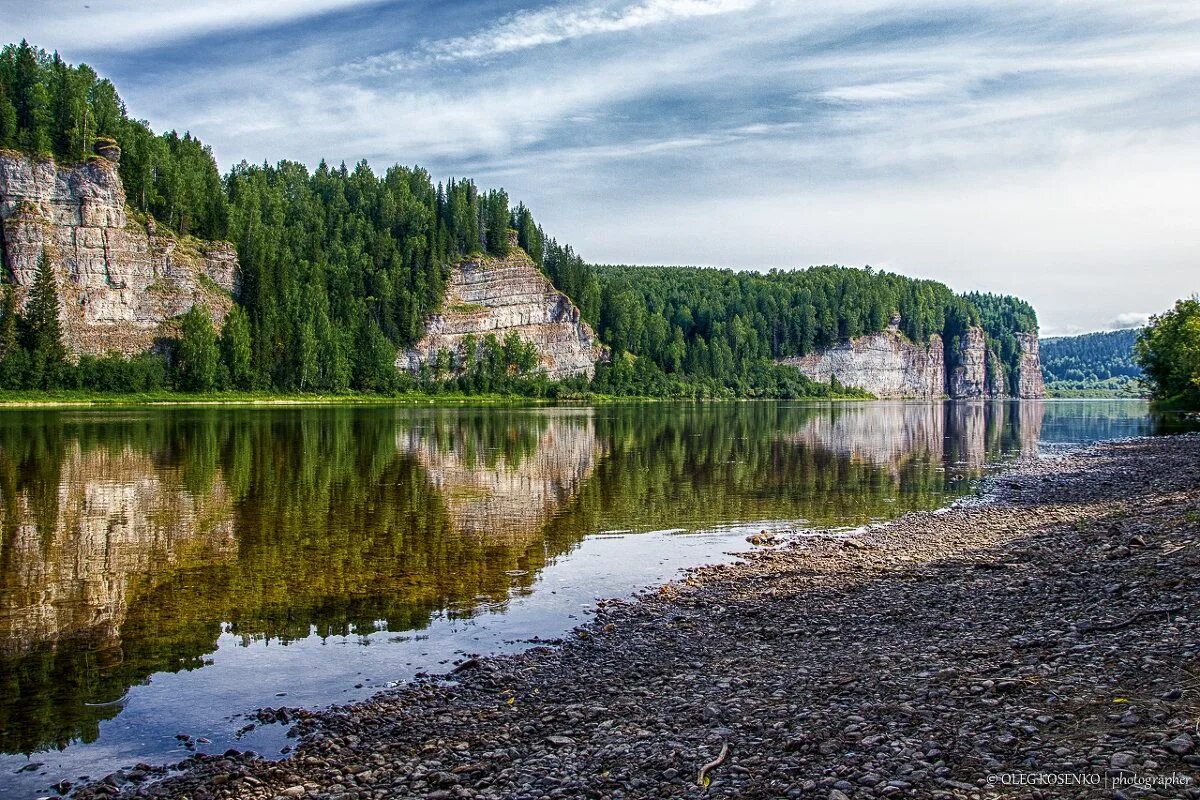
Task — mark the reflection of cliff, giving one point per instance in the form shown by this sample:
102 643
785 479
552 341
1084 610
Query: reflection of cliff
128 544
887 434
978 431
495 489
71 557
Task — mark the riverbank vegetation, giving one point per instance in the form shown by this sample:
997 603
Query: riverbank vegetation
1168 351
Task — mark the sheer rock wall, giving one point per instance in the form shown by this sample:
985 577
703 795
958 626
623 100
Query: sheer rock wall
890 366
488 295
120 282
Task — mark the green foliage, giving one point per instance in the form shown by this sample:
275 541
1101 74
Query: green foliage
1002 318
719 332
115 373
43 333
198 359
50 108
236 352
1168 351
1095 364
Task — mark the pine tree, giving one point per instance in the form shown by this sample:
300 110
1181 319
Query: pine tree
43 332
9 340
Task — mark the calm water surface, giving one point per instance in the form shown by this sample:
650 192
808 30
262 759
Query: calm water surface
168 572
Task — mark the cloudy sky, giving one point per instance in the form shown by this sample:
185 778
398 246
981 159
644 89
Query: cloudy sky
1049 149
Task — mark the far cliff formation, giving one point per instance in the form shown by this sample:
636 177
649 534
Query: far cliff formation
121 281
891 366
492 295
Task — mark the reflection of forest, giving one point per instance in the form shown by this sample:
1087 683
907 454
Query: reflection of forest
126 542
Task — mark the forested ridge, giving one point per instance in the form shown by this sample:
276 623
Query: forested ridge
1093 363
341 266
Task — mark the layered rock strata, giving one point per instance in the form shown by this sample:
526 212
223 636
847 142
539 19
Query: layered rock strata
496 296
886 364
1030 383
120 281
891 366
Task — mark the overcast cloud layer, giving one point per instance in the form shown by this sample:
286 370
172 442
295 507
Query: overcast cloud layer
1047 149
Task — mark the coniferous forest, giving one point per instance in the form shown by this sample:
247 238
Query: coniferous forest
1093 363
341 266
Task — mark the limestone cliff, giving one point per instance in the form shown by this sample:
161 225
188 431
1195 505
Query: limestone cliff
886 364
1030 383
889 365
488 295
968 377
120 281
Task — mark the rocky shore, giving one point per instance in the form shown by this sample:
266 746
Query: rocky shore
1043 641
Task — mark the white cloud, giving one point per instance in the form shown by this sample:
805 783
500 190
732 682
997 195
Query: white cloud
877 92
73 25
526 30
1130 319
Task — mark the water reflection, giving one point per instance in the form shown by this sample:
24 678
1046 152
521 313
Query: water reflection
132 540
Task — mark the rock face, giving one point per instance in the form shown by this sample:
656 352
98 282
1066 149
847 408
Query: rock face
120 282
1030 383
968 378
885 364
890 366
494 296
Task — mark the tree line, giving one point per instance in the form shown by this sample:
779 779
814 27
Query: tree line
340 267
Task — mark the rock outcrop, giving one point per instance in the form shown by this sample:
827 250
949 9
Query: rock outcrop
891 366
886 364
968 379
120 281
1030 383
488 295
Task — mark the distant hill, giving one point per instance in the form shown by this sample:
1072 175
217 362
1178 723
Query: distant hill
1092 364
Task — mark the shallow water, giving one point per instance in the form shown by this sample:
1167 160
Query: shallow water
170 571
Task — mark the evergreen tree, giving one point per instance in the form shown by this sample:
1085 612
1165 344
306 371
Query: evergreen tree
43 331
9 336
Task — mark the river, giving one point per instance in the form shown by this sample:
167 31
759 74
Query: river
165 573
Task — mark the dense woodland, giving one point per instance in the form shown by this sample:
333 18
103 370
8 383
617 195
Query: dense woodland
341 266
1092 363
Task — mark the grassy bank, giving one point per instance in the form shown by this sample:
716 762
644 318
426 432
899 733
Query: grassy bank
81 398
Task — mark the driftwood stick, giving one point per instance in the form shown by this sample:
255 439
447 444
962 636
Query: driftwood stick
703 778
1125 623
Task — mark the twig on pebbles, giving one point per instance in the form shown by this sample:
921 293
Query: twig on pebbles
702 779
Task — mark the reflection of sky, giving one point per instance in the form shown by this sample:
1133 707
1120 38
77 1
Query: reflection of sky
315 672
1019 146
